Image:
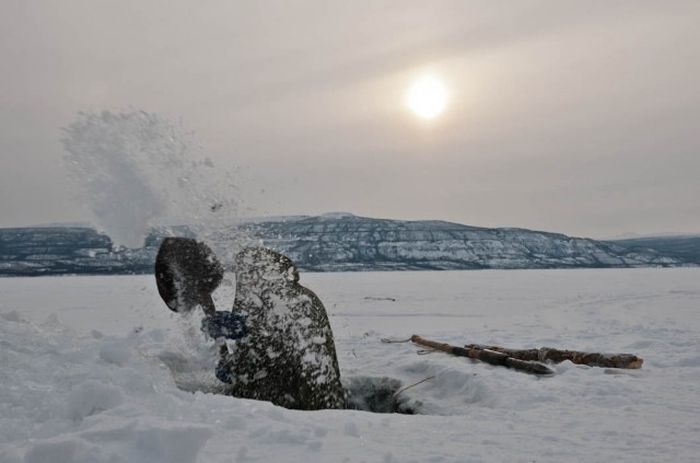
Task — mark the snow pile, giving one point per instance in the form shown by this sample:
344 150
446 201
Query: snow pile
96 369
137 168
88 398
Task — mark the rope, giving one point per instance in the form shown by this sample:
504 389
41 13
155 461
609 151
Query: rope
426 351
394 341
396 394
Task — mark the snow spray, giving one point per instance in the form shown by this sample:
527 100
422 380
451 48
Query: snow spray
137 169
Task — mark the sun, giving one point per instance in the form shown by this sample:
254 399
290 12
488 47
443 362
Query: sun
427 97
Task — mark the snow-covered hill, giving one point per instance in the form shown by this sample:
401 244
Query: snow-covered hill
330 242
347 242
685 248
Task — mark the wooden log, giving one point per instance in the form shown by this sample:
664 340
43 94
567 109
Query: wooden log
548 354
489 356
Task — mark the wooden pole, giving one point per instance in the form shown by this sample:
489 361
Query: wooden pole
547 354
489 356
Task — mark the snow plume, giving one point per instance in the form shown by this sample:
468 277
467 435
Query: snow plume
136 169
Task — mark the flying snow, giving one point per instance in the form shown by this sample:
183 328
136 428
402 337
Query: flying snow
136 168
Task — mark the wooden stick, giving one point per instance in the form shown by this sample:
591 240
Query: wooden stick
486 355
547 354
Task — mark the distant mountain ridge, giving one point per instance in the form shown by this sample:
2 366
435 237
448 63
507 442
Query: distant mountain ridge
685 248
338 242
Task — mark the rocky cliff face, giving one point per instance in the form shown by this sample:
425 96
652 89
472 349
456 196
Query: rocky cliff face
57 250
346 242
333 242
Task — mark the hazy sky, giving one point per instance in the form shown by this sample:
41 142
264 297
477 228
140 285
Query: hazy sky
579 117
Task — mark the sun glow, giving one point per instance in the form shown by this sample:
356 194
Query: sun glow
427 97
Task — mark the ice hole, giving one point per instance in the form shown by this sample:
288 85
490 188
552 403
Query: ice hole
378 394
375 394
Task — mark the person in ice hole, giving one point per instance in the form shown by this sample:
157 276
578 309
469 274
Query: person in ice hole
279 345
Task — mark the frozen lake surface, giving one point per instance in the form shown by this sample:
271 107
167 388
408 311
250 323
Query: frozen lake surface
96 369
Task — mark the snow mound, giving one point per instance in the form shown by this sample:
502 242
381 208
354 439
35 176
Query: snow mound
77 398
131 442
91 397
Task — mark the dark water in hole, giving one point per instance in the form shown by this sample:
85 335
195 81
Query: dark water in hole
378 394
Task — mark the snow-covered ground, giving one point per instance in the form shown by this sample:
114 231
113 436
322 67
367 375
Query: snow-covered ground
96 369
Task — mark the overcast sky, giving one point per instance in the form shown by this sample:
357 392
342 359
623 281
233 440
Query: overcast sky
579 117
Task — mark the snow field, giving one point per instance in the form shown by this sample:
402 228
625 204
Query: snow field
96 369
